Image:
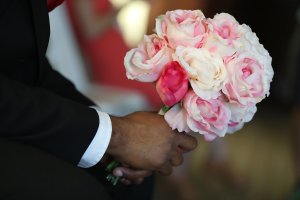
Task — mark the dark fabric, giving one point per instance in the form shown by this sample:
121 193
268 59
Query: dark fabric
30 174
143 191
27 173
38 106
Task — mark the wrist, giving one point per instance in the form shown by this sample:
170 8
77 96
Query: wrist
115 143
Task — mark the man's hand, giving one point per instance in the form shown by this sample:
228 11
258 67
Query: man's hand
130 175
144 141
127 174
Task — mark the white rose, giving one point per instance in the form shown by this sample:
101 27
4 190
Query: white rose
207 73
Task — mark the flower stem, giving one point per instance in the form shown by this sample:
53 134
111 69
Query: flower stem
163 110
110 177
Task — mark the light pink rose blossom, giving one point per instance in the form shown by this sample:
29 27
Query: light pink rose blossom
250 43
248 37
207 72
172 84
183 28
146 62
215 46
246 79
225 32
208 117
234 127
225 26
240 114
176 117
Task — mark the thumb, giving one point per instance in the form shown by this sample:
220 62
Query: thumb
131 174
186 142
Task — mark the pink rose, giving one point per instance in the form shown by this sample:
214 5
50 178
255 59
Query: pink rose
226 27
224 34
172 84
248 37
219 47
146 62
208 117
176 117
183 28
246 79
250 43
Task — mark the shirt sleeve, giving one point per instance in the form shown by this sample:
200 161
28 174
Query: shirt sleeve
99 144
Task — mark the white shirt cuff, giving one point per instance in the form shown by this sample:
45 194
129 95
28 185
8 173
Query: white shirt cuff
99 144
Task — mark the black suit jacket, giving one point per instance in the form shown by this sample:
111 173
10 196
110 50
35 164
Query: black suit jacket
37 105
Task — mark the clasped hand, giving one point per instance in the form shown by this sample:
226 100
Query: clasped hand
144 143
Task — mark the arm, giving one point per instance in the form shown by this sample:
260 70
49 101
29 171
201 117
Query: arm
37 116
141 140
49 118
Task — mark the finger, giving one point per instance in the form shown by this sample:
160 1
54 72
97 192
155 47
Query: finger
186 142
166 170
129 182
138 181
125 181
176 159
131 174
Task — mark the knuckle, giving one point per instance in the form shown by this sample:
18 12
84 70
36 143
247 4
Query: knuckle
177 161
193 142
166 170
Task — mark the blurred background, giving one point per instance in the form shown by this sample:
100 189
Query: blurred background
89 39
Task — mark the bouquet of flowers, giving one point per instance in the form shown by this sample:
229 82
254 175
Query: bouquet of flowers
209 73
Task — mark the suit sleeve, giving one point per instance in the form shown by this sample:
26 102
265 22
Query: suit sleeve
45 119
58 84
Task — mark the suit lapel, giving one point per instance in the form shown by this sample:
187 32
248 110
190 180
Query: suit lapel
41 29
